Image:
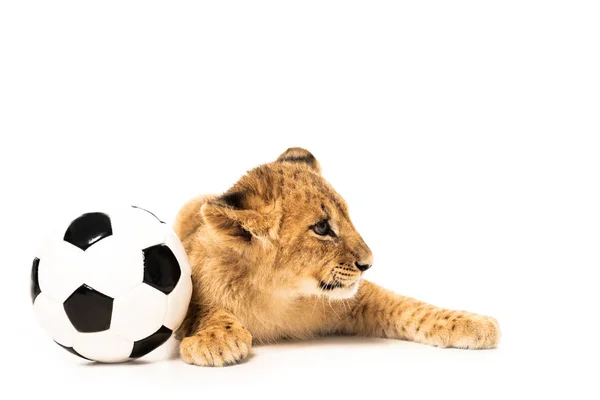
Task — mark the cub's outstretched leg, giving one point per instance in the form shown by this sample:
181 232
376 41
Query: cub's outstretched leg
218 340
381 313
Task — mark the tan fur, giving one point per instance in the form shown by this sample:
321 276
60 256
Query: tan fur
262 274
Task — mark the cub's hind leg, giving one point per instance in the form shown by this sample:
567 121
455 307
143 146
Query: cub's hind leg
188 219
219 340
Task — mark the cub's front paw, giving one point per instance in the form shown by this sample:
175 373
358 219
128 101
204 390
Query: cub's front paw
217 347
471 331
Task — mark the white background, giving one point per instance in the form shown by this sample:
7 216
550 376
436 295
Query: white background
464 135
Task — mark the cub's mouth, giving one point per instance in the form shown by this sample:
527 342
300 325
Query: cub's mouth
337 289
332 286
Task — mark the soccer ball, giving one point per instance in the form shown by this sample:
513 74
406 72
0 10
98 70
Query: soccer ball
111 286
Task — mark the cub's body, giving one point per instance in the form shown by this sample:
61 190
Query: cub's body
277 257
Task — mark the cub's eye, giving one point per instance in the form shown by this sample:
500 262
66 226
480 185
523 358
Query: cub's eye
322 228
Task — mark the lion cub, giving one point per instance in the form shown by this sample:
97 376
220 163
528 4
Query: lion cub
266 253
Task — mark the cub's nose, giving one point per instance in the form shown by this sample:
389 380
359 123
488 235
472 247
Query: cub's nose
364 257
362 267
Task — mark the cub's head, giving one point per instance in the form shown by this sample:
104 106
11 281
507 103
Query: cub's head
290 228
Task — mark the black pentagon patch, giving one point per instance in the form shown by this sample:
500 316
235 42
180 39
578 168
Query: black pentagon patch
151 213
161 269
88 229
72 351
89 310
146 345
35 284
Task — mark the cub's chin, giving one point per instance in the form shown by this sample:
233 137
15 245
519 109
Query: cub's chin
343 292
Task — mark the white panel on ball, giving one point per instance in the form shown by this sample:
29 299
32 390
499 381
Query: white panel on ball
60 270
51 315
113 266
139 313
178 302
138 226
104 346
177 248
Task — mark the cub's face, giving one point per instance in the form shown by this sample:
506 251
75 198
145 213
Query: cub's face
294 226
318 244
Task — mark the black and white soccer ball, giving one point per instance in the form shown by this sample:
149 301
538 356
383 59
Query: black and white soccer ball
111 285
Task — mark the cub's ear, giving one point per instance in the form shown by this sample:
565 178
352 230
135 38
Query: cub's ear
300 155
230 217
